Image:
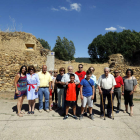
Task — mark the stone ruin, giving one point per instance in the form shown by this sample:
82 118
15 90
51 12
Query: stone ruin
17 49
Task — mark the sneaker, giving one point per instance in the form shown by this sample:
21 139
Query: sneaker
85 113
40 110
47 110
75 117
91 117
117 111
66 116
81 117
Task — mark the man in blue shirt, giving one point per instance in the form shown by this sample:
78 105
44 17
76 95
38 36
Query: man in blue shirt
87 94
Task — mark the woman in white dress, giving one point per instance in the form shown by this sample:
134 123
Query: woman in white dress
32 88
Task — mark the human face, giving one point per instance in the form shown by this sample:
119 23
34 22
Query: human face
44 69
116 73
31 71
55 73
23 70
72 79
129 74
62 72
92 70
50 72
70 70
88 76
80 68
106 71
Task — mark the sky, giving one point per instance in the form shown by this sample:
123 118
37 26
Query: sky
77 20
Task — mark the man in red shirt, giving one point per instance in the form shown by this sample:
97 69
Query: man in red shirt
81 74
117 89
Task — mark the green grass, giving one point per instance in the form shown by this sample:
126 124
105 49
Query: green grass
136 99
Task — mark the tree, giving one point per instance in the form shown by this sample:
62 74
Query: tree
126 42
44 43
64 49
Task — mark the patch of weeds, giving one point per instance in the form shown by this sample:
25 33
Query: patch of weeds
53 115
11 98
136 99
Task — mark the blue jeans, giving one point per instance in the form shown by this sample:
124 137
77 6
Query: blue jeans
46 93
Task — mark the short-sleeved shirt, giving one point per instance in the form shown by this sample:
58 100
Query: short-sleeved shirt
129 84
71 92
66 78
81 76
106 82
44 79
93 77
58 78
119 81
87 87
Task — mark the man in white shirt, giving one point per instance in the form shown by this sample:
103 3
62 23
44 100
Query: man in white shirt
65 81
106 83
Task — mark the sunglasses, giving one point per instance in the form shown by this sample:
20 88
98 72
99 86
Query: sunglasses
31 69
62 70
80 67
55 72
116 72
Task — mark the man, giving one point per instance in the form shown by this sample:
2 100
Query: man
81 74
45 88
65 79
117 89
106 85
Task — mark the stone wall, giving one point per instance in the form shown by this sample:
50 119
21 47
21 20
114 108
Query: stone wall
17 49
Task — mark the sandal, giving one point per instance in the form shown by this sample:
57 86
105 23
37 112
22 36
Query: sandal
20 115
32 112
22 112
29 112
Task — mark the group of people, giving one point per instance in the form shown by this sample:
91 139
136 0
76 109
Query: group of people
65 89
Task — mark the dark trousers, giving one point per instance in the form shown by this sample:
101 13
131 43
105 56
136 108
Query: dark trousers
64 102
117 93
77 93
128 98
54 94
94 100
106 93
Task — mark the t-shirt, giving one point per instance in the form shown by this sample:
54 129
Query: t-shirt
119 81
71 92
87 89
58 78
81 76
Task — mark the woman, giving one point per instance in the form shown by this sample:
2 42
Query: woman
130 84
60 88
20 88
55 87
32 88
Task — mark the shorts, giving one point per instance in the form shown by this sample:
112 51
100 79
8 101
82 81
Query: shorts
88 101
51 92
70 103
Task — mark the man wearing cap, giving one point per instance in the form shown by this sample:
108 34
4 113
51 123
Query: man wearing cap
117 89
106 83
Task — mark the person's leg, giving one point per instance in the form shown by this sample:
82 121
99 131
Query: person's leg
62 97
40 96
29 102
126 98
46 94
115 95
33 105
119 100
131 104
56 97
109 106
90 110
82 110
50 103
101 105
67 110
59 97
19 104
64 102
77 93
22 101
74 110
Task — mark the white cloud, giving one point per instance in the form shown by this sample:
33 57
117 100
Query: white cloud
121 27
111 29
54 9
68 1
75 6
64 8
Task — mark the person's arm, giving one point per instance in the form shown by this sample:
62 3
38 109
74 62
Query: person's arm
113 85
50 83
81 92
135 86
53 83
112 90
100 90
99 85
63 80
93 91
16 81
38 82
77 80
122 89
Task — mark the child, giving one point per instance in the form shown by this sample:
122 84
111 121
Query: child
87 94
71 97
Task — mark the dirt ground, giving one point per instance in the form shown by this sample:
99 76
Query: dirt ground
42 126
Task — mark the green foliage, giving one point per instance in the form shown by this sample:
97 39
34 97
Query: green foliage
44 43
126 42
64 49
